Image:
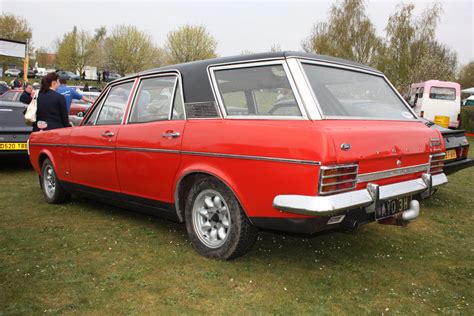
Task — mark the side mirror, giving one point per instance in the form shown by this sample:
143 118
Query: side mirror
80 114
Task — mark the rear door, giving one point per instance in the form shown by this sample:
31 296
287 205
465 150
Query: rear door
92 145
148 145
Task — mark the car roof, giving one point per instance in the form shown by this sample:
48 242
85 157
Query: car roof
196 85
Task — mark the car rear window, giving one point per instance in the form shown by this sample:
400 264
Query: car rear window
257 91
443 93
345 93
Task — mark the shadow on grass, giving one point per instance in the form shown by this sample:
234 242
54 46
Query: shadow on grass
13 163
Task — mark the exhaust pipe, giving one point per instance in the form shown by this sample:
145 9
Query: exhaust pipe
350 225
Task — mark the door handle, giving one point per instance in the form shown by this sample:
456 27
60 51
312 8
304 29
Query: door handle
170 134
108 134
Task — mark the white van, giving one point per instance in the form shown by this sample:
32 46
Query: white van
438 101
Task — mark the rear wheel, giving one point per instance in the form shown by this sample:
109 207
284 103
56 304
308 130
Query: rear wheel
53 192
215 221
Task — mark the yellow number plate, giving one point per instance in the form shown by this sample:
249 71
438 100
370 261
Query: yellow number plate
450 154
13 146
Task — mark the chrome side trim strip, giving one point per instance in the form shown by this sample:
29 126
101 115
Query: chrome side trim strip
262 158
153 150
192 153
366 177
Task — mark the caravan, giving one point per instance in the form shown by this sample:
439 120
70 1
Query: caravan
438 101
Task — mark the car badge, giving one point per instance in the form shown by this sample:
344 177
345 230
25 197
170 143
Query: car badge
399 163
345 146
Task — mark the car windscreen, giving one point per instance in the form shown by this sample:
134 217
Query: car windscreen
345 93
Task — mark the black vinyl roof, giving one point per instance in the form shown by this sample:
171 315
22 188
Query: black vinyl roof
196 85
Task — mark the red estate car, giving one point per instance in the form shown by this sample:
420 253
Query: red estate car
284 141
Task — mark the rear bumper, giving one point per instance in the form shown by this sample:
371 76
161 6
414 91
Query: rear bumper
366 198
452 167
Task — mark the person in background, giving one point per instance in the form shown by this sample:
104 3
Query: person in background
70 93
27 96
83 75
98 76
16 83
51 106
86 87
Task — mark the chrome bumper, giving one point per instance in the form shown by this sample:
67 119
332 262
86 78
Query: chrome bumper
367 198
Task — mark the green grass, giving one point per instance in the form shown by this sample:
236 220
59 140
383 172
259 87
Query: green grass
90 258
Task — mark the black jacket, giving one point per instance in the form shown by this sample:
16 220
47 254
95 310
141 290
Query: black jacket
51 108
25 97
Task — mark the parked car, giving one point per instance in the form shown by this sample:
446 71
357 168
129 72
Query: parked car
469 100
68 75
112 76
12 95
284 141
3 87
457 148
41 72
13 131
12 72
31 73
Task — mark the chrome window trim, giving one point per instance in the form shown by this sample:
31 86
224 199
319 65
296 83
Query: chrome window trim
250 64
372 176
304 89
135 93
355 69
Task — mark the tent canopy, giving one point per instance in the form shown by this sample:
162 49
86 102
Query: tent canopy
468 90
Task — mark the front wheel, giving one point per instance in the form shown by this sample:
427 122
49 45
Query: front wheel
216 224
53 192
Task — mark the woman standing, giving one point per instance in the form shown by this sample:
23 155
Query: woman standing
51 106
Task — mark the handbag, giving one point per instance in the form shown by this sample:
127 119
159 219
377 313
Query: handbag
30 115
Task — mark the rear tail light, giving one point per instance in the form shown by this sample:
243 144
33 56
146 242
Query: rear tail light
461 152
338 178
436 163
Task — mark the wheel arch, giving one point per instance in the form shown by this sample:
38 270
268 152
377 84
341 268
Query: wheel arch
187 178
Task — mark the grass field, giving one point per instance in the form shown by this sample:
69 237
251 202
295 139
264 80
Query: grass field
89 258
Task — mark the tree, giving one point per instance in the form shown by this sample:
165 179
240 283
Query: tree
75 50
42 57
189 43
466 76
16 28
411 53
130 50
348 34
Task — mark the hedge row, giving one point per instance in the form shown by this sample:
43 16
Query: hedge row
467 119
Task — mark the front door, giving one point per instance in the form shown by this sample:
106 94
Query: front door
92 145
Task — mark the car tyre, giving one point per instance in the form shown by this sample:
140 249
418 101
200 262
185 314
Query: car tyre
215 221
53 191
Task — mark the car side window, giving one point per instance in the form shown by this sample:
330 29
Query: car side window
112 111
257 91
91 120
178 106
153 99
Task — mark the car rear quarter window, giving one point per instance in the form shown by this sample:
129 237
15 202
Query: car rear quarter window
113 108
260 91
